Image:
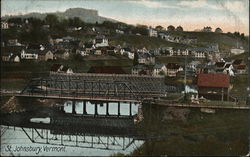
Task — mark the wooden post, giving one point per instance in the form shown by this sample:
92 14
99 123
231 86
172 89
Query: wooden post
222 94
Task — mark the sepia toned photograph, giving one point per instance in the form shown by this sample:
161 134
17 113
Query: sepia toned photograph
125 78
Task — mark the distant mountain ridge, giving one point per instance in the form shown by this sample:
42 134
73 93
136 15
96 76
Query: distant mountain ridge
86 15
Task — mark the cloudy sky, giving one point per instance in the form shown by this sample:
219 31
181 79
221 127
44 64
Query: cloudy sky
230 15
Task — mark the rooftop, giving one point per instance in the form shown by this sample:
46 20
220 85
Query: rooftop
213 80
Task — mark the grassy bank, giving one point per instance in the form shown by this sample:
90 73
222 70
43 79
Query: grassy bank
200 134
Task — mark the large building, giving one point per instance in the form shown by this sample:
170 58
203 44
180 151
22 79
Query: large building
213 86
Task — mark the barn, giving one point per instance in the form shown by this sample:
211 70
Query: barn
214 86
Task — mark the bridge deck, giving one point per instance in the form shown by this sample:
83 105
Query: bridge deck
205 106
78 98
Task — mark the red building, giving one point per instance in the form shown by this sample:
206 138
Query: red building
214 86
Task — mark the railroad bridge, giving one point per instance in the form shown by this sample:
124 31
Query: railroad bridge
100 87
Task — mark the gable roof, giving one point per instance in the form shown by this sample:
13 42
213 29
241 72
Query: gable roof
55 67
220 64
65 68
213 80
173 66
158 66
237 61
106 70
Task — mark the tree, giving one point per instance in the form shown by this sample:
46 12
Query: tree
16 20
141 29
75 22
179 29
218 30
242 36
135 61
51 20
159 28
171 28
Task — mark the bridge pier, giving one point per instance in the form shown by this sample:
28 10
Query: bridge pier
130 108
107 108
119 110
84 108
74 107
96 109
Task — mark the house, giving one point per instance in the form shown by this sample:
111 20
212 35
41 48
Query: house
178 52
63 54
111 50
146 58
213 86
100 41
241 69
68 39
228 69
237 51
189 74
13 42
152 32
30 54
56 68
137 69
89 47
16 58
193 65
100 50
240 66
4 25
106 70
119 31
199 52
172 69
205 68
46 55
159 69
6 56
128 52
67 70
82 52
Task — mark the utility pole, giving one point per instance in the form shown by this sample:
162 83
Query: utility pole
248 74
185 79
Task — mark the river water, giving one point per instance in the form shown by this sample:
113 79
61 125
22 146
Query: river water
166 131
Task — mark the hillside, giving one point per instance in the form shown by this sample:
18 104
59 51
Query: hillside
138 41
226 41
86 15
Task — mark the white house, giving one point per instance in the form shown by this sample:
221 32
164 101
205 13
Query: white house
100 41
82 52
172 69
152 32
67 70
29 54
158 69
14 58
237 51
4 25
228 69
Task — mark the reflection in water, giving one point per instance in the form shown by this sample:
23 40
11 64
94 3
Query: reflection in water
164 131
56 144
112 107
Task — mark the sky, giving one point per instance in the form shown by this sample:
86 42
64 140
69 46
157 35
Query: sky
229 15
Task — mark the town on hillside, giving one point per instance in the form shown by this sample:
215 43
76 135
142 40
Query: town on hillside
75 82
183 58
